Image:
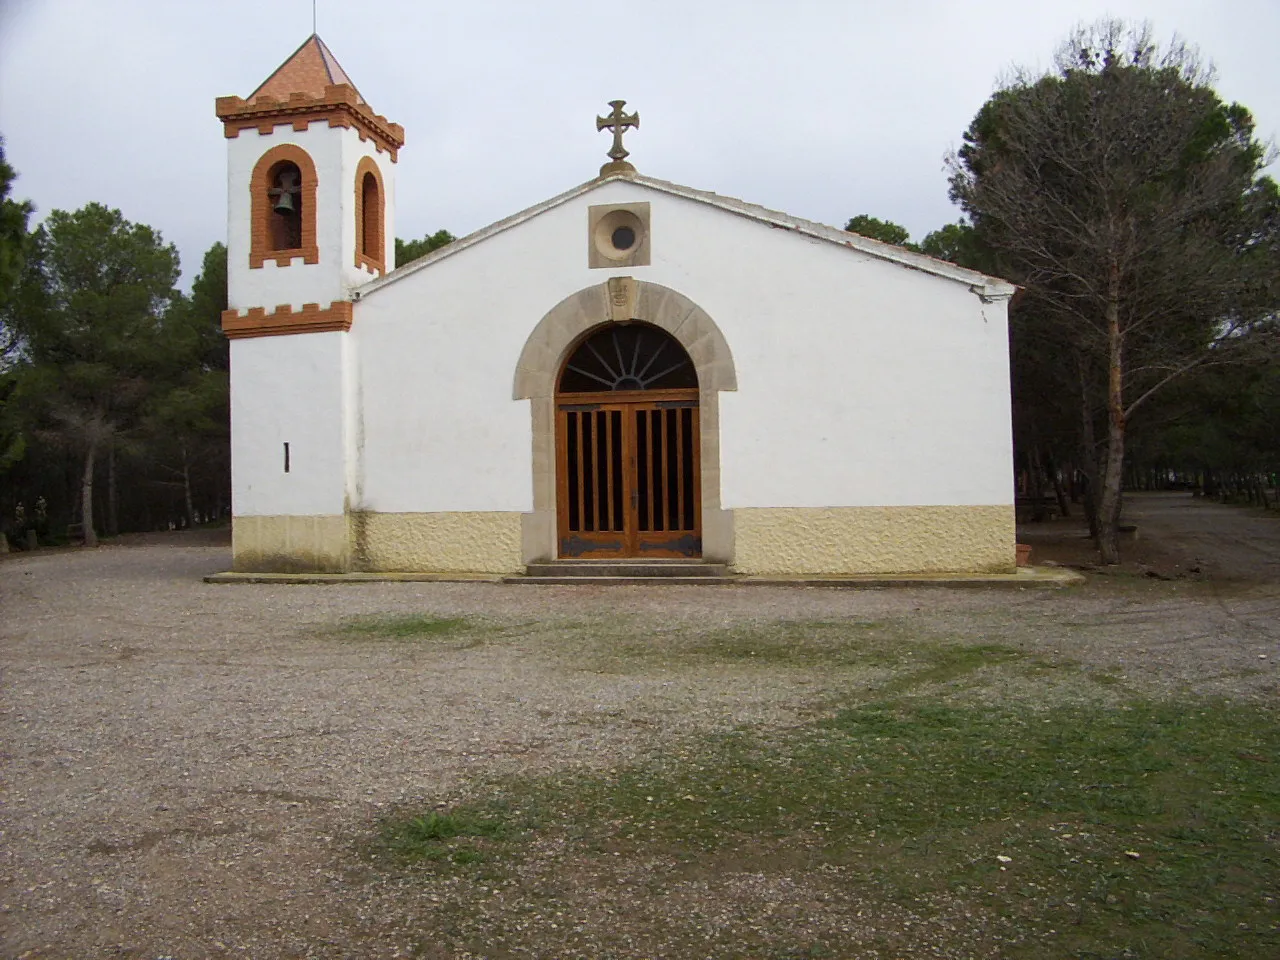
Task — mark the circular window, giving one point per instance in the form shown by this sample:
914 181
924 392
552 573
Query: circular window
624 238
619 236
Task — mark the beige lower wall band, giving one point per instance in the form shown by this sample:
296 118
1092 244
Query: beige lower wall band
768 540
853 540
470 542
315 544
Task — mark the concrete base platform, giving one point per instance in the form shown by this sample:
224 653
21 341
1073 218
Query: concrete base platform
232 576
610 581
1024 577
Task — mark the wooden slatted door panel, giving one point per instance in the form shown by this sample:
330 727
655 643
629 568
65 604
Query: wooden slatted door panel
592 491
668 494
627 479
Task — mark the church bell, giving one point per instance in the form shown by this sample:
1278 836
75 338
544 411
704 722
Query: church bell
286 187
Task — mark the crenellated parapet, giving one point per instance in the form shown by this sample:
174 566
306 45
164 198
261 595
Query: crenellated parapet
340 106
284 320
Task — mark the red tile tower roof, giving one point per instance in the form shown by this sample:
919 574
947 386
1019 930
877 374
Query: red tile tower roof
310 69
310 86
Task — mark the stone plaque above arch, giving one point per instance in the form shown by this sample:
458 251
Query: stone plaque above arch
539 368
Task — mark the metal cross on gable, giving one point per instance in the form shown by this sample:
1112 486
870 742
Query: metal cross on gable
618 122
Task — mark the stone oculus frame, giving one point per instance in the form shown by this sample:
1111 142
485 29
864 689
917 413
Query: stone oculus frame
616 301
603 221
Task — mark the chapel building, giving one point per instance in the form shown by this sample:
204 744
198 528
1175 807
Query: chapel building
633 369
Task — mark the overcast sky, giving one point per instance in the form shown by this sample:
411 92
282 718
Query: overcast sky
820 108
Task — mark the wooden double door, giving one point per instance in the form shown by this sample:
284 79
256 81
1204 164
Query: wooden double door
627 474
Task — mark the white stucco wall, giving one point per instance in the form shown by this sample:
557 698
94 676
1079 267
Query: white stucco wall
861 382
440 431
335 152
289 390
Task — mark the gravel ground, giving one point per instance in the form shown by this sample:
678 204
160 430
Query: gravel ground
1229 542
187 766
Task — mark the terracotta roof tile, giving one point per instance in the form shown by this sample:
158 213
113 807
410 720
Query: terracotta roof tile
310 69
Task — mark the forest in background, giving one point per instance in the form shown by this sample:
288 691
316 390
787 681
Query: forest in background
1123 196
1130 204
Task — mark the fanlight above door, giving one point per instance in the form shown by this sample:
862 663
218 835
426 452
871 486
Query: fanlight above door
628 356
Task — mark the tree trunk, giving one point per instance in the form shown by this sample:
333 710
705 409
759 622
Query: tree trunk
186 488
1113 471
1088 458
86 497
1055 473
113 514
1039 509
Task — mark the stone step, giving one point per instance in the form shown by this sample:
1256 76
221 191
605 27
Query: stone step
646 569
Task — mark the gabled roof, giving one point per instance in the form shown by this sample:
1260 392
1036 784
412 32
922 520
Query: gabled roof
988 288
309 69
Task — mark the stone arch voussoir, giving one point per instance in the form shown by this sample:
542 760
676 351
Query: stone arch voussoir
566 323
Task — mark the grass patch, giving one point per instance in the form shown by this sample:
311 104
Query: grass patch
409 627
892 655
943 664
1150 829
784 644
791 643
438 837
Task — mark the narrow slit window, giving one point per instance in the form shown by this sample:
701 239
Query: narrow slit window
286 458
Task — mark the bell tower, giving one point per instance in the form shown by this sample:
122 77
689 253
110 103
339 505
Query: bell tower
310 218
310 195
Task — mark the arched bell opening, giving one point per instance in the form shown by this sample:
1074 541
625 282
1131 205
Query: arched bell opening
371 220
282 191
628 477
285 206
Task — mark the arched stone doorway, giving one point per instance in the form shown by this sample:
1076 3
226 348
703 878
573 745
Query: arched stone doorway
627 451
623 301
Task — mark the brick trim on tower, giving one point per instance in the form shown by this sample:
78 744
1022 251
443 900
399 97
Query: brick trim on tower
375 260
260 211
340 106
283 320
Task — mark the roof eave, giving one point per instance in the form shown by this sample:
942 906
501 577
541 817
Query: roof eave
991 287
471 239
